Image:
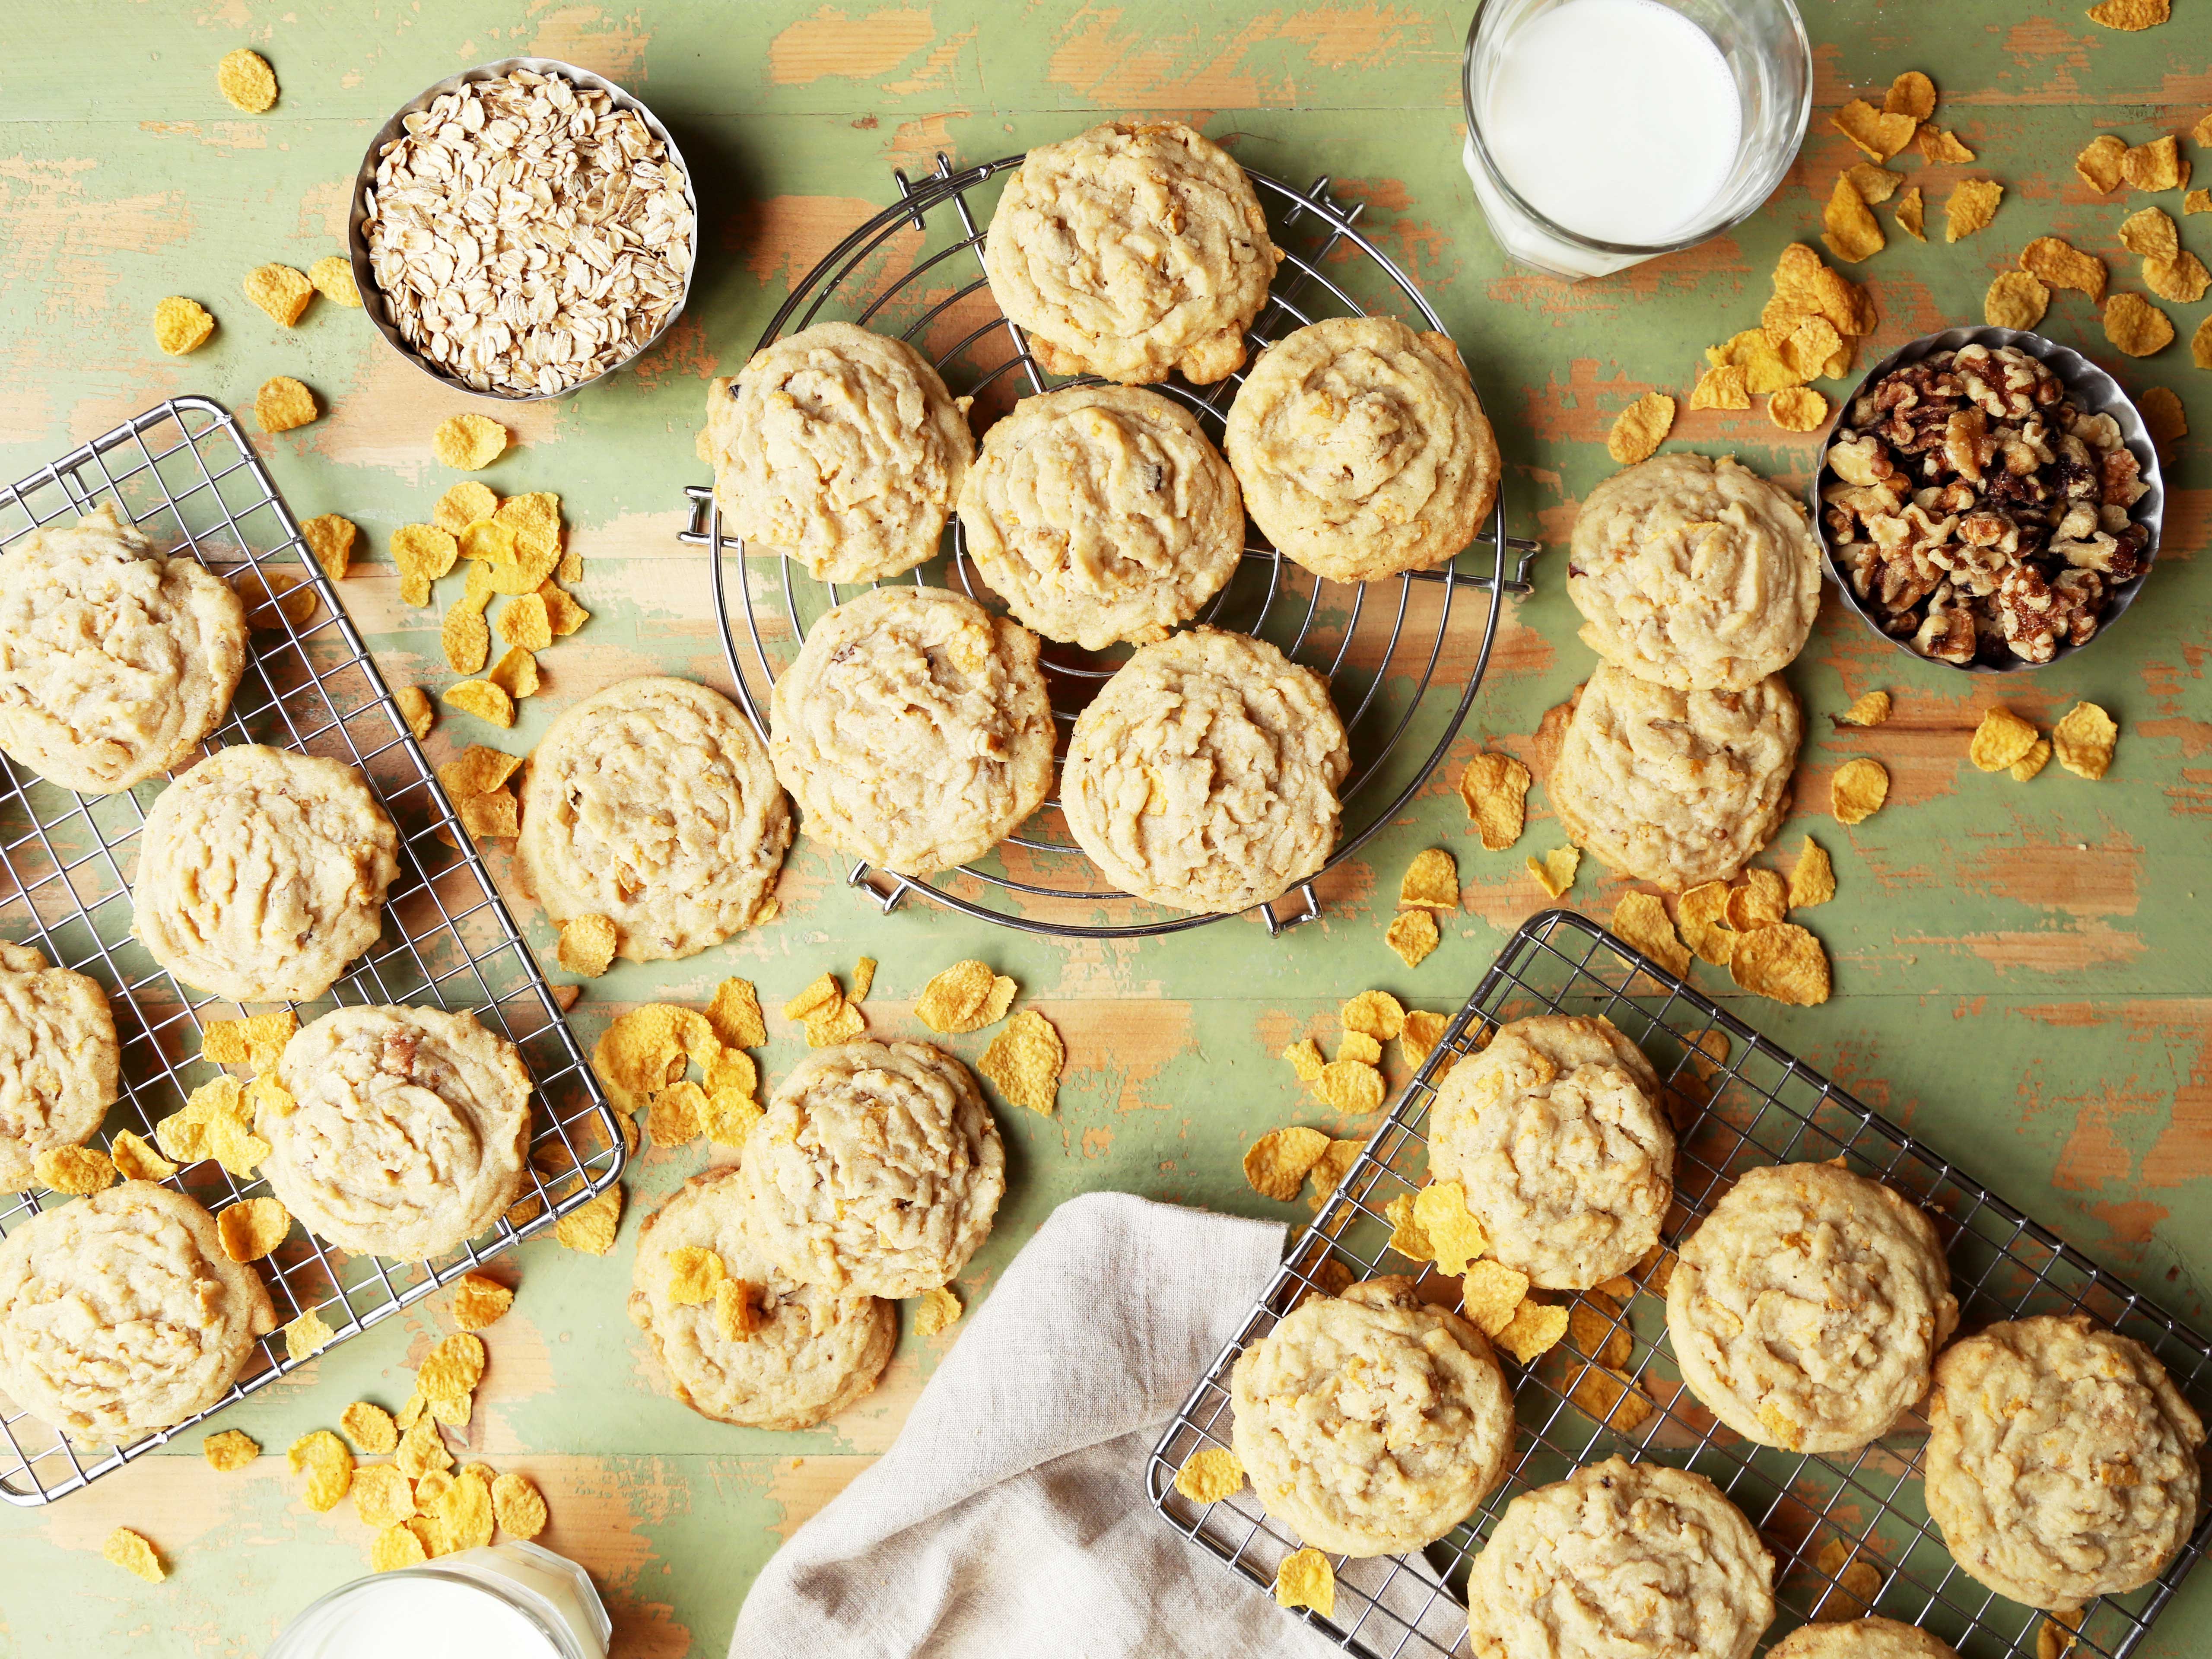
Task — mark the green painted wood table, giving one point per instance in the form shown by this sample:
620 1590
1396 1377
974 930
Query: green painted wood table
2023 974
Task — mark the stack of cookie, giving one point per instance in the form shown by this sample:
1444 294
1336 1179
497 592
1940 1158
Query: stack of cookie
1809 1312
1698 581
766 1287
915 731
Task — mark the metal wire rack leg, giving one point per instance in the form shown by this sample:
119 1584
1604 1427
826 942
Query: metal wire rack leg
1359 637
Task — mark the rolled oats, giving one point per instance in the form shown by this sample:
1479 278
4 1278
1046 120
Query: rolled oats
528 234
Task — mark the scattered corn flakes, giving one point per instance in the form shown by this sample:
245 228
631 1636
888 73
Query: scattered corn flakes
1407 1236
281 291
1940 148
251 1228
1858 789
137 1161
1641 919
834 1023
1810 346
331 539
2131 14
694 1271
478 1300
466 503
1782 962
1640 429
1024 1061
1495 788
370 1427
228 1452
467 640
1797 408
1275 1165
2200 344
2002 738
1873 184
1911 214
1424 1031
484 700
518 1505
587 945
381 1496
2155 165
2197 201
452 1368
1848 225
1972 204
1764 367
2055 1635
1432 879
1378 1013
563 614
1412 934
468 443
2083 740
463 1513
332 276
1702 914
1329 1170
1491 1293
1761 901
735 1015
77 1170
1209 1475
1813 879
1912 93
2061 265
514 673
966 997
1305 1059
1533 1331
2098 164
1879 133
422 1449
422 553
2025 768
2182 279
181 325
1455 1236
737 1309
417 709
2016 299
328 1465
478 769
590 1227
1720 386
2162 413
1871 708
395 1547
245 78
284 403
2136 326
938 1310
1306 1580
2152 233
678 1115
1612 1399
1351 1087
1357 1045
131 1552
1555 873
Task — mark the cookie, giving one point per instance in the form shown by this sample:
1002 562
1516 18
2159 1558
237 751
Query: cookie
810 1351
1131 250
410 1131
1676 788
1870 1638
653 804
120 1314
2061 1462
59 1065
877 1168
262 874
1556 1132
115 662
1621 1558
1101 513
1695 573
1806 1309
838 448
915 730
1203 776
1372 1422
1363 449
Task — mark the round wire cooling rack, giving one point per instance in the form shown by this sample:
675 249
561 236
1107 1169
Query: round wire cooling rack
1402 656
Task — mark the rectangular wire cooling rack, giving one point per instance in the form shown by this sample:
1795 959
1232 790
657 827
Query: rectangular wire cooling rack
1849 1532
184 472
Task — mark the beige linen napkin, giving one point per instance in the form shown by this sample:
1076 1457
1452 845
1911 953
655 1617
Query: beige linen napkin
1010 1517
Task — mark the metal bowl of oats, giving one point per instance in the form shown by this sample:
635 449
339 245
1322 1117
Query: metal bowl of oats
522 229
1989 499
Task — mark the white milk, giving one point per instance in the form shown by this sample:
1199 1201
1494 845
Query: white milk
1617 119
499 1602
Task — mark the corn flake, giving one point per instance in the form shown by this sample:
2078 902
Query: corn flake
2182 279
468 443
2061 265
563 614
452 1368
1407 1236
1858 789
1702 914
735 1015
694 1271
1432 879
1330 1169
131 1552
1412 934
1351 1087
80 1170
2002 738
1612 1399
281 291
678 1115
332 276
1376 1013
1972 204
2083 740
381 1496
306 1335
518 1505
1765 369
1879 133
2025 768
1912 93
137 1161
1024 1061
328 1465
1797 408
1306 1580
1782 962
1491 1293
2200 344
1759 902
1424 1031
2152 233
2163 415
395 1547
181 325
2016 299
1275 1165
834 1023
1871 708
1209 1475
466 503
282 403
590 1227
1940 148
1640 429
251 1228
422 553
2136 326
2155 165
2131 14
228 1452
1305 1059
2099 165
245 78
1813 879
2198 200
1911 214
1454 1234
1848 225
462 1513
1640 918
483 699
1720 386
1533 1330
1873 184
370 1427
1357 1045
514 673
737 1309
1495 788
966 997
1555 874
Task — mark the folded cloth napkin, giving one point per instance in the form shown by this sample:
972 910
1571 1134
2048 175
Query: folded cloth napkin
1010 1517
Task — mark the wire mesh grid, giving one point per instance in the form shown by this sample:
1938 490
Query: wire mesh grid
1402 674
184 474
1849 1532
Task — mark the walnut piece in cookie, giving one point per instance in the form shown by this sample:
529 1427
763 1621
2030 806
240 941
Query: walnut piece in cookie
1980 513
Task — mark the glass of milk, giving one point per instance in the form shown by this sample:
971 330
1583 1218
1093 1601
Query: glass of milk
1604 132
504 1602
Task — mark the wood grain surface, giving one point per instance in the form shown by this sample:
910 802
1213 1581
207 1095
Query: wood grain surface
2023 972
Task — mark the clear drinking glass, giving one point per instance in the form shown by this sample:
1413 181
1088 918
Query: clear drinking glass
539 1602
1763 44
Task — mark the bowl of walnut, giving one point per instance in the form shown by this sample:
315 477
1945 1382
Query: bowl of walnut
522 229
1989 499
